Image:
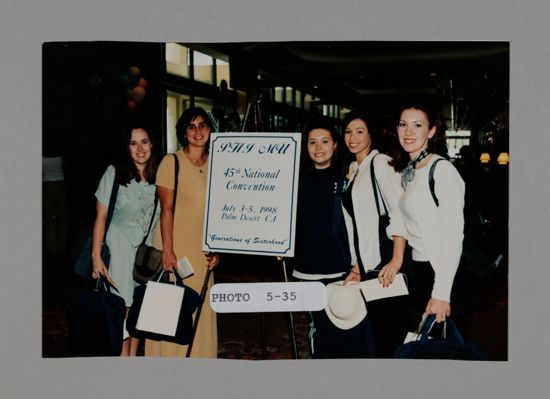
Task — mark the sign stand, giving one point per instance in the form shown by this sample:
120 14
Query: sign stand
254 104
292 334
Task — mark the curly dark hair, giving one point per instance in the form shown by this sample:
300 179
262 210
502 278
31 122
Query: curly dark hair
437 144
186 118
126 170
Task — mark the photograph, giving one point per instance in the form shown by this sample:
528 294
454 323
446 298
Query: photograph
274 199
349 198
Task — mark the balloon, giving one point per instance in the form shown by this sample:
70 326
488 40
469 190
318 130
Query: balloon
138 93
134 70
129 94
142 83
132 104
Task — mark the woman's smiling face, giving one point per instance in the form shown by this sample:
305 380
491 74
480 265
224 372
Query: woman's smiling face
198 132
414 131
357 139
140 147
320 147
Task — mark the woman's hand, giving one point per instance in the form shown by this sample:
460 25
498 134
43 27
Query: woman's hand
388 272
169 261
98 268
354 275
441 309
213 259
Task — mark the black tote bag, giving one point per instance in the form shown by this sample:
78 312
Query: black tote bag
96 319
184 330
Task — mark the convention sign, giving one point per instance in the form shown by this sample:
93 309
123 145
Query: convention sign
252 193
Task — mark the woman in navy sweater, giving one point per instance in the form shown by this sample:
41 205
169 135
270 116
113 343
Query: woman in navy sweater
322 250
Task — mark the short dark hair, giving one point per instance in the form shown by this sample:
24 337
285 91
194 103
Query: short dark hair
126 170
320 123
437 144
188 116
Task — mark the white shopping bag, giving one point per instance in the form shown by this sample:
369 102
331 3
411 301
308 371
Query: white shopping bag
372 289
160 309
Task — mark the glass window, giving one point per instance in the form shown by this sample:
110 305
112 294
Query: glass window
222 72
343 112
175 104
298 97
203 66
207 104
289 96
177 59
279 94
456 140
309 102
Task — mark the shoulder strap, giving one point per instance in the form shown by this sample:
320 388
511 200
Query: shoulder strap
431 180
176 173
152 216
374 186
177 168
112 202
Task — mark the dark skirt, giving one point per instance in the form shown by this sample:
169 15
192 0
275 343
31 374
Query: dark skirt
421 280
330 342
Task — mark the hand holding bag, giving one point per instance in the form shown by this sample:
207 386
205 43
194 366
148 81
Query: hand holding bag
152 313
82 248
96 319
450 346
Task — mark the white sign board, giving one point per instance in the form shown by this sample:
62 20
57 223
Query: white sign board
252 193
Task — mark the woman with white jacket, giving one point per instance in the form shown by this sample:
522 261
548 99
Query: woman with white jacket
434 224
362 217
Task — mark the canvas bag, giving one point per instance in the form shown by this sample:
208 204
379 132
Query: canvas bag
163 311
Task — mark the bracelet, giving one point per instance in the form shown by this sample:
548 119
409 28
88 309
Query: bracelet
351 271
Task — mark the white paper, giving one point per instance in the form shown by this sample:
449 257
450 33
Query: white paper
160 309
372 289
184 268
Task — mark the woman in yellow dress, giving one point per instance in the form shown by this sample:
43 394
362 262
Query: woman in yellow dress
180 232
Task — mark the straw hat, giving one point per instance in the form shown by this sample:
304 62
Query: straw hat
345 305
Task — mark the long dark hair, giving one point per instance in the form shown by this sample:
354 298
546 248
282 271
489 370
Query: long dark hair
186 118
372 127
126 170
307 163
437 144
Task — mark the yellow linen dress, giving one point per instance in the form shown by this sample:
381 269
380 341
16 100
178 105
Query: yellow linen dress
188 232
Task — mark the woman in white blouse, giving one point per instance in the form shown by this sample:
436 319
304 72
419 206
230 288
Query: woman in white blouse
434 231
361 216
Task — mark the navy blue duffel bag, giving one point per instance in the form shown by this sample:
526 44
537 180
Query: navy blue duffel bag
450 346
